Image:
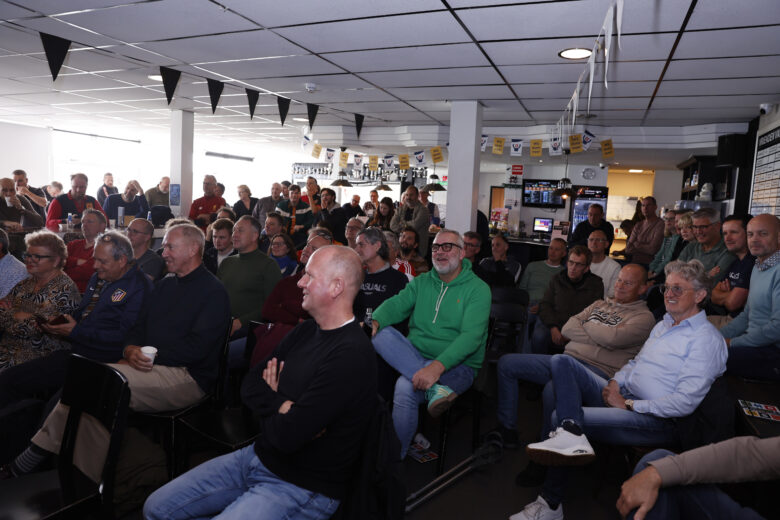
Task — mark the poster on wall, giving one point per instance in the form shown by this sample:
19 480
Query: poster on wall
175 195
765 195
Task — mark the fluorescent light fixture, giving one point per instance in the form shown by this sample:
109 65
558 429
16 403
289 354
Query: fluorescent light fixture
633 170
154 77
301 119
575 53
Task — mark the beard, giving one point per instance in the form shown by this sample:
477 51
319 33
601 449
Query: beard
407 250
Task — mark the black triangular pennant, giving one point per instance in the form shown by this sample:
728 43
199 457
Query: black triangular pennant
56 50
170 80
358 124
252 96
284 107
215 90
312 110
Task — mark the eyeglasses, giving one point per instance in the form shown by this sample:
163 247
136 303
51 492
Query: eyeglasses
278 244
470 244
701 228
577 264
33 256
676 290
136 232
446 247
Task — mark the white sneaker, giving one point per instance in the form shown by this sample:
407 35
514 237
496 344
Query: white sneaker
561 449
539 510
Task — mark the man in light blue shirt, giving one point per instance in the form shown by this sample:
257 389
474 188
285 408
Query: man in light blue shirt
667 379
12 271
753 336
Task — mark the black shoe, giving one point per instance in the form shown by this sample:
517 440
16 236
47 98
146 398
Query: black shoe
509 438
6 472
532 475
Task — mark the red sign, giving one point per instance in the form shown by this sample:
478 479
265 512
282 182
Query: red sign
517 169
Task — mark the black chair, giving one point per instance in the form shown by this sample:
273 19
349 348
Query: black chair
167 421
91 388
229 429
508 316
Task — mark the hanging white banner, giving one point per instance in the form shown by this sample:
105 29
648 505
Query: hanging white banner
388 161
329 153
619 16
608 40
591 70
516 148
305 142
555 145
483 143
420 157
587 140
358 160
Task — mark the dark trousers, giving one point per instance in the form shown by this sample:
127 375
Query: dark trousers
39 378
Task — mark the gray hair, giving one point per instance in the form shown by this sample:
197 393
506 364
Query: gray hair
374 235
252 222
692 271
458 239
120 245
98 214
392 240
192 233
710 214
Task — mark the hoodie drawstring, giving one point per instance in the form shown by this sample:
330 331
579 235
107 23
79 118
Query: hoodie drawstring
439 299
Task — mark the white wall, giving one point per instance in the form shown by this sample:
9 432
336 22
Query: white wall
667 186
25 148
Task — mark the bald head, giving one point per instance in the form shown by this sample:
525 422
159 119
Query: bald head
763 236
630 284
331 282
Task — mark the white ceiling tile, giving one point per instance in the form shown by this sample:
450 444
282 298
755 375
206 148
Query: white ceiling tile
234 46
727 101
269 67
460 55
322 82
272 14
148 21
565 90
9 86
373 106
435 77
476 3
452 93
432 106
69 32
717 113
563 73
78 81
596 103
724 86
422 29
121 94
724 68
49 98
639 47
731 13
734 42
21 66
15 39
58 6
412 116
10 11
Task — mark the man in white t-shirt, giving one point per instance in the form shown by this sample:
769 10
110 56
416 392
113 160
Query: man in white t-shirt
602 265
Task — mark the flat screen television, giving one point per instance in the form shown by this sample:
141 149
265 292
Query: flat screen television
543 225
538 193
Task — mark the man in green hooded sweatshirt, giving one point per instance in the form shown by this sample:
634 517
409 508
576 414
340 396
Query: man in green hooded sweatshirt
448 310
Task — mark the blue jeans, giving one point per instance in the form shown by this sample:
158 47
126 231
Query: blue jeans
527 367
235 486
404 357
537 336
578 398
697 501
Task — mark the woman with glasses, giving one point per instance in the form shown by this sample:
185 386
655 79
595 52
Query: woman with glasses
383 215
282 250
47 294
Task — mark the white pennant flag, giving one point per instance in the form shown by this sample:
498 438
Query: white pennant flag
329 152
516 148
420 157
358 159
305 142
619 16
483 143
608 40
388 161
587 140
591 71
555 145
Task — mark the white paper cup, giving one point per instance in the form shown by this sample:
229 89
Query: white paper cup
149 352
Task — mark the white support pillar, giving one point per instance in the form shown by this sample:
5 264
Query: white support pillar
182 134
463 165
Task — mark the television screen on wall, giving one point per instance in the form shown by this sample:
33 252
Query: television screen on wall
538 193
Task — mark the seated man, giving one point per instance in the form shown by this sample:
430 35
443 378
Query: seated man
603 337
393 249
753 336
601 265
34 196
80 264
645 239
313 414
412 214
222 245
381 281
141 234
729 296
332 214
160 194
500 270
266 205
537 275
115 295
354 225
669 247
410 246
297 216
202 209
709 248
16 213
667 379
273 226
249 277
186 320
594 222
448 310
75 202
568 293
132 200
668 486
12 271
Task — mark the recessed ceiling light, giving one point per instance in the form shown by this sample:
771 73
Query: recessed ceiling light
575 54
154 77
301 119
635 171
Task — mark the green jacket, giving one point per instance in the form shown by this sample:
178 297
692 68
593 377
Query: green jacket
664 255
448 322
248 278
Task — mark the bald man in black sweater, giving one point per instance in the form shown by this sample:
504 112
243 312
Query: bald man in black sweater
315 395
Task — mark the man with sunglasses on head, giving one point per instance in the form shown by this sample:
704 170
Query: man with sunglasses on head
448 310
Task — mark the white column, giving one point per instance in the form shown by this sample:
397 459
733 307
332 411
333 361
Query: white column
463 165
182 133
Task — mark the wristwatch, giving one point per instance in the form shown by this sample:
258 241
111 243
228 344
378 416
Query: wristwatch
630 405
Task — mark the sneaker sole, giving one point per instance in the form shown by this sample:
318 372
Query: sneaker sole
551 458
440 406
